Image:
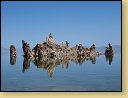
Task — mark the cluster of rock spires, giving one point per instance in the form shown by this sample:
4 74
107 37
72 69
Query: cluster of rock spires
50 49
48 54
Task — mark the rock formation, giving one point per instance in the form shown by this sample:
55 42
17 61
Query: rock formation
12 55
12 51
109 50
26 49
49 54
50 49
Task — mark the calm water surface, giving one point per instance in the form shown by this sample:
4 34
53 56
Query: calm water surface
81 75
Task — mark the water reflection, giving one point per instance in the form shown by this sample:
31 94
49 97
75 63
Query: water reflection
12 60
50 64
26 64
93 59
109 58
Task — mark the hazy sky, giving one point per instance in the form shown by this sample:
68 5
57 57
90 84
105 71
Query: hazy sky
77 22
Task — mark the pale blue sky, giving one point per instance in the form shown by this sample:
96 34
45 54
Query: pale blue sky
77 22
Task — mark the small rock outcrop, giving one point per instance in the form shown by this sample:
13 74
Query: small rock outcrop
12 51
109 50
12 55
26 49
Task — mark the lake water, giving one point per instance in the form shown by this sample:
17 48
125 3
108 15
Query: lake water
96 74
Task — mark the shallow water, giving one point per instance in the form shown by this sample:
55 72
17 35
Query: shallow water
86 75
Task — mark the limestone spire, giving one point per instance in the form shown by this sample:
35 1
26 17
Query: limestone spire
50 35
50 39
